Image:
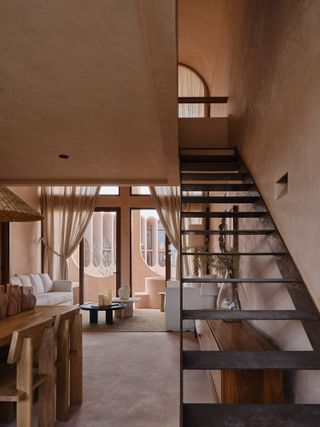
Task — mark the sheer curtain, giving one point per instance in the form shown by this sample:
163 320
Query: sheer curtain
167 200
67 211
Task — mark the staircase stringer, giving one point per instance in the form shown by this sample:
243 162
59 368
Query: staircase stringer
299 293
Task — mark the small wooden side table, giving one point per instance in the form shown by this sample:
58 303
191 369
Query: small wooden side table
162 299
240 386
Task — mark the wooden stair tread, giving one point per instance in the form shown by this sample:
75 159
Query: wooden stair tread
220 199
234 254
229 232
208 158
238 280
236 176
218 187
210 166
202 99
248 315
237 415
223 214
208 175
294 360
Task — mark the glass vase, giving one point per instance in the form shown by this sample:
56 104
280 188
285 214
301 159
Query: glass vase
228 298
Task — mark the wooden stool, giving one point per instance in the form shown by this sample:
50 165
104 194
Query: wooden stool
17 384
162 298
68 335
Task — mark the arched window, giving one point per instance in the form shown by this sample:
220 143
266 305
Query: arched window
191 83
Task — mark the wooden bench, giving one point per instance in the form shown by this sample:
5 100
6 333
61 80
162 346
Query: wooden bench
239 386
30 345
69 374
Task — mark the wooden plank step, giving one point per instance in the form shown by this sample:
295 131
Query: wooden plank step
238 280
220 199
202 99
218 187
210 158
214 167
295 360
248 315
228 232
224 214
186 150
239 415
238 176
235 254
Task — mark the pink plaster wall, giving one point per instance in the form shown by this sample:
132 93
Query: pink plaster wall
208 132
265 56
274 87
25 243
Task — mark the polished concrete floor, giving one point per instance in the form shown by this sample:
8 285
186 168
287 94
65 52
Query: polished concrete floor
131 379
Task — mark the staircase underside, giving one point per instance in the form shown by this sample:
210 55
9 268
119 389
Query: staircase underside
206 181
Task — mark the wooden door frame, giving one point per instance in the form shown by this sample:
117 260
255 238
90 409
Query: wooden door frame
168 257
118 252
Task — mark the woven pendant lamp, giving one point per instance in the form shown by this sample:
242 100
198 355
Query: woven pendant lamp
12 208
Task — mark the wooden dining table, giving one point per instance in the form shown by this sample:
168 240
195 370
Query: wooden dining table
27 318
39 314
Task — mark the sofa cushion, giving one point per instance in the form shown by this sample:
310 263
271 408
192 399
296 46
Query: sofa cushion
37 284
53 298
25 280
47 282
15 280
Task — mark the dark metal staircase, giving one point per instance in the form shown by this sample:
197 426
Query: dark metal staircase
212 172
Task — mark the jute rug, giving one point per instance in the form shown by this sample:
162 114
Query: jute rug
143 320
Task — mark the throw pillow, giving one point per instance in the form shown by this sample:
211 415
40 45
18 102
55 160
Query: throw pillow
37 284
47 282
25 280
15 280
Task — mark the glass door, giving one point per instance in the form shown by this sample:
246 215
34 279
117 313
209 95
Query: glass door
97 259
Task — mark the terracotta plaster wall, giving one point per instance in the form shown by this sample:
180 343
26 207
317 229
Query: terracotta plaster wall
265 55
208 132
274 118
25 243
274 86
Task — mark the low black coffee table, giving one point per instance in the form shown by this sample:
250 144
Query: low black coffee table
109 309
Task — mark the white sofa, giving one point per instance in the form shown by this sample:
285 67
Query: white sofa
196 296
46 290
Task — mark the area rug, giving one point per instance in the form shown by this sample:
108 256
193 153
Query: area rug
143 320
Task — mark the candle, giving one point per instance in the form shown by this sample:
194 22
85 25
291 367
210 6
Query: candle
108 299
100 300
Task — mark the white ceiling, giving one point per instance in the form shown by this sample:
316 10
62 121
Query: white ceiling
92 79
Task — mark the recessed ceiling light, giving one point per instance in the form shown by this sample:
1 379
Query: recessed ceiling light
64 156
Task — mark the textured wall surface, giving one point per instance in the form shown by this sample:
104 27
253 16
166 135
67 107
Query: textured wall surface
274 87
265 55
274 119
25 243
